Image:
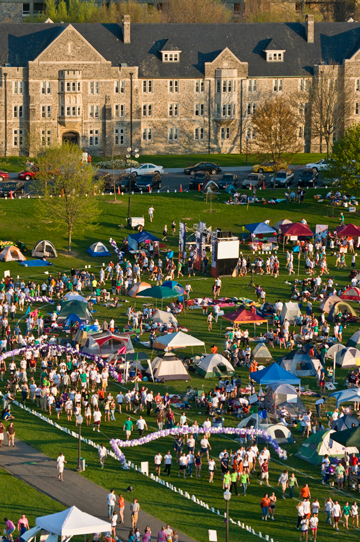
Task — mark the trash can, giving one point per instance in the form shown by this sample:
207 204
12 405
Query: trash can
82 463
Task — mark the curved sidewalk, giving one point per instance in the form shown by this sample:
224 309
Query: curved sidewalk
39 471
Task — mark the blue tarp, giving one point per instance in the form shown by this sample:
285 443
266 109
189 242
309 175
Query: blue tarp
273 375
260 228
143 236
35 263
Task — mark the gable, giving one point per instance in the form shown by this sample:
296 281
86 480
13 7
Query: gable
70 46
226 60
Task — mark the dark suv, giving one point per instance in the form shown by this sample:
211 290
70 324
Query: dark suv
200 178
203 166
122 182
308 178
227 179
143 182
16 187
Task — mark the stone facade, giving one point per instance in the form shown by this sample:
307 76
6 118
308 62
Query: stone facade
71 91
11 12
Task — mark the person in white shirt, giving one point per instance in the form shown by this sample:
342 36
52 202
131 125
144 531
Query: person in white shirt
336 513
158 460
141 425
328 509
190 464
283 481
60 466
212 468
111 500
182 465
355 514
167 463
120 400
102 455
204 447
313 526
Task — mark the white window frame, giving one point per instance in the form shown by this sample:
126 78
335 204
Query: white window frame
46 111
46 87
174 86
18 112
173 134
17 138
199 134
173 110
252 85
199 85
171 57
94 111
119 110
119 136
278 85
18 87
147 110
46 137
93 138
119 87
94 87
147 85
147 134
225 133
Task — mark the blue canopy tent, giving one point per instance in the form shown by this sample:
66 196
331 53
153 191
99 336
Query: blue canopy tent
135 239
176 287
273 375
260 228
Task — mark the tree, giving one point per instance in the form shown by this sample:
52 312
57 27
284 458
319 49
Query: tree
345 161
276 126
196 11
67 189
325 106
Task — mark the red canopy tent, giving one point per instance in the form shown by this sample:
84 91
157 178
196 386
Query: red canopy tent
242 316
296 230
351 294
348 230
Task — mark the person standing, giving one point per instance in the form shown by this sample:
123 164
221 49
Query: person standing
10 430
158 460
182 465
212 468
134 509
272 506
114 518
23 524
151 213
128 426
265 503
121 502
167 463
102 455
283 480
233 479
111 501
198 464
2 432
60 462
141 425
336 513
245 481
292 483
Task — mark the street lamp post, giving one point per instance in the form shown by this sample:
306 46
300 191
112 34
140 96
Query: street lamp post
131 151
246 148
227 497
79 420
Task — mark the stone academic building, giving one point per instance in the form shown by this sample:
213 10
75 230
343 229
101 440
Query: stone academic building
164 88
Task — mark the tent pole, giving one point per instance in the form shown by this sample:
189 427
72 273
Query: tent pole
151 371
334 367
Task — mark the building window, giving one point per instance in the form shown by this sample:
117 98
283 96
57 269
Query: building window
46 111
18 111
225 133
46 87
174 85
301 131
147 110
45 137
170 57
18 138
173 134
252 85
26 9
228 110
199 134
226 86
147 86
357 85
277 85
332 84
62 111
173 110
93 138
304 84
251 108
93 111
18 87
119 136
94 87
200 85
218 110
119 110
356 108
147 134
199 110
274 57
119 87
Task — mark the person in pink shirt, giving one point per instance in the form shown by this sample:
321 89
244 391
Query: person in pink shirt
162 535
9 526
23 524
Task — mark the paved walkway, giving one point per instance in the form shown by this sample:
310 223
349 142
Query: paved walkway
39 471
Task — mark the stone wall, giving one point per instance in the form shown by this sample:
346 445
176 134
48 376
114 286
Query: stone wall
11 12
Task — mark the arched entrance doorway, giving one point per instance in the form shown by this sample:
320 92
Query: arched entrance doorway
71 137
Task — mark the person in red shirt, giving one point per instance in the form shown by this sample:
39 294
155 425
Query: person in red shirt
264 472
305 492
121 502
353 461
265 503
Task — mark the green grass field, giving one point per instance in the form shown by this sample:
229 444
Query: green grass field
18 220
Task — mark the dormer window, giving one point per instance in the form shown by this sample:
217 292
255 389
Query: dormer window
274 57
274 53
171 57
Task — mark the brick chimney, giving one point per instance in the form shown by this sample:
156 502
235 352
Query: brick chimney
126 28
309 28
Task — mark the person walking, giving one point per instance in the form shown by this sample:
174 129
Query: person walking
265 503
182 465
233 479
245 481
304 529
283 480
121 502
198 464
128 426
151 213
328 509
134 509
314 521
167 463
292 483
114 518
336 513
346 513
355 514
102 455
10 431
111 502
212 469
60 462
272 505
2 432
158 460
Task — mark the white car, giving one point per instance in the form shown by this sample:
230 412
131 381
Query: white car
144 169
318 166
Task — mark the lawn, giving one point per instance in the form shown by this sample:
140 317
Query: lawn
18 221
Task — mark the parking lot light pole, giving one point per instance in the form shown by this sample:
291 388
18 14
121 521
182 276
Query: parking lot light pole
246 149
131 151
79 420
227 497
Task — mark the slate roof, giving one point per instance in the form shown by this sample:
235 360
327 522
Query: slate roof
169 47
273 46
199 43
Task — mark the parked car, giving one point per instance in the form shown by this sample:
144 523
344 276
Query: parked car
145 168
268 167
26 175
203 166
16 187
253 179
284 178
199 178
318 166
122 182
308 177
3 176
227 179
143 182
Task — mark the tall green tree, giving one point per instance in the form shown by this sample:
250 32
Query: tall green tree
67 188
344 164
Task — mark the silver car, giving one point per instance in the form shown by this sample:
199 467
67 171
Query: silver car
284 178
254 180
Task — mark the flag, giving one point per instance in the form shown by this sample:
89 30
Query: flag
33 314
122 350
263 414
27 311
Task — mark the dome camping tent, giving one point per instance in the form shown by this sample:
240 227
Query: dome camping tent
73 296
79 308
328 303
277 431
261 353
291 313
345 422
212 366
341 306
319 444
11 253
257 420
334 349
354 339
163 317
280 223
106 343
44 249
348 357
98 249
351 294
300 364
166 367
138 287
279 396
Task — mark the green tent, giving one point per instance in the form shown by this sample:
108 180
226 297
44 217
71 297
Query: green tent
159 292
209 366
319 444
80 308
348 437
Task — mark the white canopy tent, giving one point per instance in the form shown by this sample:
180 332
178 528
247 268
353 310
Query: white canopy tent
344 396
291 312
163 317
179 340
68 523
